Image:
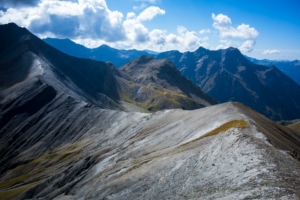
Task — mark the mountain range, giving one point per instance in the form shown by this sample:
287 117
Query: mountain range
67 132
227 76
120 57
103 53
290 68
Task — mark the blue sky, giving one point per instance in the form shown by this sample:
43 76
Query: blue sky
264 29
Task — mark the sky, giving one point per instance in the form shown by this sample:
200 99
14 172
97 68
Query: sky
265 29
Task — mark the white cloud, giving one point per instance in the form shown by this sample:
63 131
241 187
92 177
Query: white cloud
203 31
271 51
224 44
247 46
221 20
68 19
92 23
223 24
149 13
142 6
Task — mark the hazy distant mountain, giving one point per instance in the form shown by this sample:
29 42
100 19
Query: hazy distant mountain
290 68
103 53
64 133
227 75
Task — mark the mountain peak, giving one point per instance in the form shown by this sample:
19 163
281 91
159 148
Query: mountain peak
12 28
201 49
232 50
143 59
105 46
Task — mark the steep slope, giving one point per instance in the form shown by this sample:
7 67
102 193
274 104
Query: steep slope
290 68
102 53
225 151
227 75
28 62
295 125
163 85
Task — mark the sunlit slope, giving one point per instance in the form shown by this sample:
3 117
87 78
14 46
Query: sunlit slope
223 151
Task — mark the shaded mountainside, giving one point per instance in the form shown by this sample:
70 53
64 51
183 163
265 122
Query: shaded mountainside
26 62
290 68
103 53
227 75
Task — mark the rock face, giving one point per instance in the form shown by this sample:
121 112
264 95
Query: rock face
103 53
227 75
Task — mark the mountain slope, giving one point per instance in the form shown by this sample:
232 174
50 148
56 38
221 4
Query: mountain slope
25 59
165 82
102 53
82 151
227 75
290 68
27 62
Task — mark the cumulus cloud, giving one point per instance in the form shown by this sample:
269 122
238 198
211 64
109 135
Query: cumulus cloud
203 31
92 23
90 18
223 24
271 51
149 13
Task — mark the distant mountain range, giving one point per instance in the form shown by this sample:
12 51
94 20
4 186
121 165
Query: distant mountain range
227 75
120 57
290 68
103 53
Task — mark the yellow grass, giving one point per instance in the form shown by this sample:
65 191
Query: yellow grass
222 128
